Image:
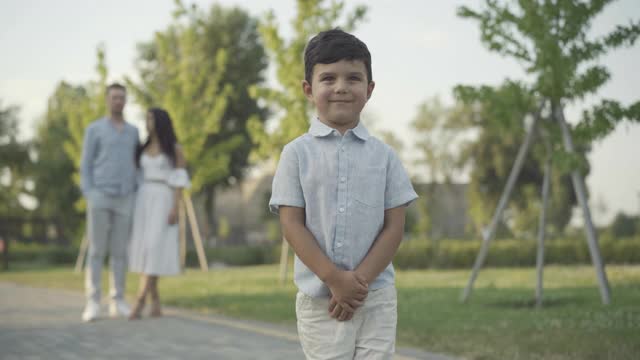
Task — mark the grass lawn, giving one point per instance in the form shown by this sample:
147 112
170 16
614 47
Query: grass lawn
499 322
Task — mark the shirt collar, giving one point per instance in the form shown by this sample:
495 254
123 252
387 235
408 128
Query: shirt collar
361 131
320 129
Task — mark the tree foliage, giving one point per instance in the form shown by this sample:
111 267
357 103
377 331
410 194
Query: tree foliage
54 168
199 68
15 163
550 39
81 105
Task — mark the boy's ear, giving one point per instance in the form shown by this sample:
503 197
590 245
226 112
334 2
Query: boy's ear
306 89
370 88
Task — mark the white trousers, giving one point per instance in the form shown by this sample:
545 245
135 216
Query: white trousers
370 334
108 230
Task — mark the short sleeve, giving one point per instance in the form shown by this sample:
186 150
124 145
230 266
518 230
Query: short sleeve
399 191
179 178
286 189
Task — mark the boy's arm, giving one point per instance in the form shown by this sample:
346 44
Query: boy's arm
398 194
385 246
346 287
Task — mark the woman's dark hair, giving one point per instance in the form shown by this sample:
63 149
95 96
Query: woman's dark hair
164 130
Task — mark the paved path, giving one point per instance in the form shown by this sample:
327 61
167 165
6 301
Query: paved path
40 323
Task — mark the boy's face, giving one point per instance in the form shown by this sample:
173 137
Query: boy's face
339 91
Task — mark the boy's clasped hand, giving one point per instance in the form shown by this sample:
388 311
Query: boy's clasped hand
348 292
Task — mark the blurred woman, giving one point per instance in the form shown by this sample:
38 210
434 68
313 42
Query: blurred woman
154 248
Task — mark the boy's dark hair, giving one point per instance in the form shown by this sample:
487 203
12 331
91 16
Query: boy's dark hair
332 46
115 86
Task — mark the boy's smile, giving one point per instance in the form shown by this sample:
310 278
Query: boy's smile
339 91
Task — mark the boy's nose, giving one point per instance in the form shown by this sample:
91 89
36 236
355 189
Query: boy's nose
341 86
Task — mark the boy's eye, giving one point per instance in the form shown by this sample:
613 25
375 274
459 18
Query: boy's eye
326 78
354 78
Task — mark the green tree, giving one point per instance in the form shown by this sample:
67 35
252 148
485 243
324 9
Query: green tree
54 188
442 131
288 101
200 69
624 225
81 105
15 163
552 42
490 157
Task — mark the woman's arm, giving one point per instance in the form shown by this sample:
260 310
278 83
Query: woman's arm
177 195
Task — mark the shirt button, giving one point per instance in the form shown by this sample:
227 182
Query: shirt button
339 244
343 179
341 209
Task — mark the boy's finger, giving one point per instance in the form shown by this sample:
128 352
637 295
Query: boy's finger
332 304
349 316
356 303
343 316
362 280
336 311
361 288
346 306
362 291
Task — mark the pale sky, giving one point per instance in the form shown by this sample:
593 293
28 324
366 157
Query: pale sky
419 49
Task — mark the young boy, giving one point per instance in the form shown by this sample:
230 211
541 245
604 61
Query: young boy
341 196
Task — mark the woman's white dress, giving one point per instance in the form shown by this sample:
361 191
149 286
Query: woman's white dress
154 248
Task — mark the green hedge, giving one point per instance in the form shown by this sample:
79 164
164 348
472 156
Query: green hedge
231 255
413 254
422 254
42 254
237 255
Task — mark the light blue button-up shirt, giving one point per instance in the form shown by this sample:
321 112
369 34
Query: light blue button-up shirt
344 183
108 165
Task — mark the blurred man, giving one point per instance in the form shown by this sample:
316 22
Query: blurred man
108 174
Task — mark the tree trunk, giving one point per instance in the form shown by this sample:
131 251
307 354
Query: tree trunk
579 188
489 233
541 230
210 213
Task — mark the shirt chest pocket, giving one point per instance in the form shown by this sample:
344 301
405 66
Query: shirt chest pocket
368 185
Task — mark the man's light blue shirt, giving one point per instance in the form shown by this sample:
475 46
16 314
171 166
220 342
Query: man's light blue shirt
108 170
344 183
